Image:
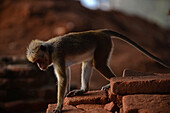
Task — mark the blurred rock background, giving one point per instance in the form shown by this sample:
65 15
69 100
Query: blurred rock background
24 88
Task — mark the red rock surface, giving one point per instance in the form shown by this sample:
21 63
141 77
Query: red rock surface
82 108
121 110
117 99
111 95
88 107
66 109
145 103
111 106
20 105
98 111
127 73
90 97
141 84
130 73
136 103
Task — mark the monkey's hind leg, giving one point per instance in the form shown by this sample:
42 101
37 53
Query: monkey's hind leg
85 78
107 73
102 54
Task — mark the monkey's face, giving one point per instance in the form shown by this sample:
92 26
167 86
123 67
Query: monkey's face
38 52
43 60
42 64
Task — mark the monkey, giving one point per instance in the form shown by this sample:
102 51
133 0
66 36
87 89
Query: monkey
91 48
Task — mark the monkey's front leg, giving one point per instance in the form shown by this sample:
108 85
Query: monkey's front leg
106 87
68 73
85 78
62 82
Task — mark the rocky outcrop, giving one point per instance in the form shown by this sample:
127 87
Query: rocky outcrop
150 91
91 97
140 85
150 95
146 103
90 102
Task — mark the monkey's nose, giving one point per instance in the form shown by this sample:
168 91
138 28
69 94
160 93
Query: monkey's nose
43 69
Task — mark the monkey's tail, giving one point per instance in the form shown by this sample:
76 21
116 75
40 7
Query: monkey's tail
126 39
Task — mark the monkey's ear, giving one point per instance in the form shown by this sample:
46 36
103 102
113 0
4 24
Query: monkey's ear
43 47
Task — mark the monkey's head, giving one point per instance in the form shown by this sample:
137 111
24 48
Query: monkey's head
39 52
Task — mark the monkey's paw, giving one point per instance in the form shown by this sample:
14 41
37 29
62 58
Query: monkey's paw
75 92
56 111
106 87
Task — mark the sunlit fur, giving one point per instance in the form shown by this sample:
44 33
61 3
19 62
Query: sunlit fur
33 49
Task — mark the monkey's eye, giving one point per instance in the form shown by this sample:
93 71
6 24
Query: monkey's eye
43 47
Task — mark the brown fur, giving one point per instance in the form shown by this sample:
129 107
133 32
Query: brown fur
92 48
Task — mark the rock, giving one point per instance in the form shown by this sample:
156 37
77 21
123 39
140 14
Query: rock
47 92
88 107
146 103
16 106
98 111
27 105
19 71
127 73
146 111
22 83
117 99
82 108
111 106
66 109
91 97
141 84
112 96
121 110
162 74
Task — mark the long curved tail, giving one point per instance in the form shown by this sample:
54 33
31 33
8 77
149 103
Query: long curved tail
126 39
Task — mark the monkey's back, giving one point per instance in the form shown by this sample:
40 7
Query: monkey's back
76 43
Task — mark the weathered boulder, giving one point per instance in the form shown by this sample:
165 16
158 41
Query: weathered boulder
82 108
91 97
140 84
111 106
88 107
127 73
66 108
146 103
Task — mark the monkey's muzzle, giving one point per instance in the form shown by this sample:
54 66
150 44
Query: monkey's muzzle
42 65
43 68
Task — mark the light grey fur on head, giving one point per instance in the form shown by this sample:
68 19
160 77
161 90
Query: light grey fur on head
32 50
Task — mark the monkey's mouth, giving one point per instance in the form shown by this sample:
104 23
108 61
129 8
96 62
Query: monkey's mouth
43 68
42 65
